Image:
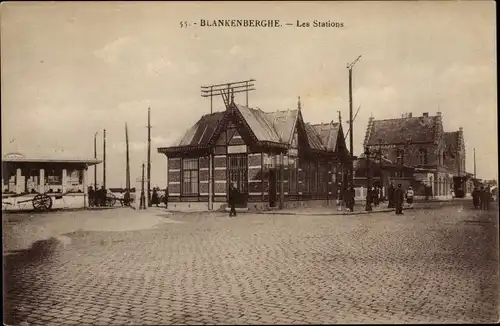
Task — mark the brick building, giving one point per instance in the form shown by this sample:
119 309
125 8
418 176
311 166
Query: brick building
438 157
253 149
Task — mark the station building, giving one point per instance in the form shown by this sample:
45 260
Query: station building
275 158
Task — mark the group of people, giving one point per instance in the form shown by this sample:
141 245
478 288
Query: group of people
97 197
155 198
395 196
481 198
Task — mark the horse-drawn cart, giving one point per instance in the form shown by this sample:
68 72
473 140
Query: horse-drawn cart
41 202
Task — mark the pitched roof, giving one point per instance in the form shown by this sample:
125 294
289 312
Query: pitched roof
201 132
259 123
276 127
396 131
328 133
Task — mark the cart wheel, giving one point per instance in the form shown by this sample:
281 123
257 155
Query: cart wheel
42 202
111 200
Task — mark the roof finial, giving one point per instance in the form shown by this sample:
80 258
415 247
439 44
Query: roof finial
299 104
340 117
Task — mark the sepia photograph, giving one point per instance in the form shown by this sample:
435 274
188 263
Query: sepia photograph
249 163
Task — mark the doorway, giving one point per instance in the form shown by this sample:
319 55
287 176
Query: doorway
238 174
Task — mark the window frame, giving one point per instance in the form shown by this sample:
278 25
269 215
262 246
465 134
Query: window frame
193 177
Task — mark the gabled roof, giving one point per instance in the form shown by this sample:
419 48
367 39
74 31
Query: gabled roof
268 127
328 134
396 131
202 131
259 123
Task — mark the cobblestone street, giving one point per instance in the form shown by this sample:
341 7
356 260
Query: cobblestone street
434 265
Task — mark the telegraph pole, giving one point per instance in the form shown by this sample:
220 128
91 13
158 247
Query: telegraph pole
143 197
475 163
127 177
149 157
104 161
95 157
351 139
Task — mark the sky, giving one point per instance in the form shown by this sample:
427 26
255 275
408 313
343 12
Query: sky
70 70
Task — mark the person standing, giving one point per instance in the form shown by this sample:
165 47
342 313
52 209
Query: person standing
339 198
475 197
91 196
103 196
409 196
126 198
390 195
233 194
481 197
376 196
486 198
155 200
398 199
350 198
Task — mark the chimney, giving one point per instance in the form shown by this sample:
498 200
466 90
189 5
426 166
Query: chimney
438 114
410 115
426 114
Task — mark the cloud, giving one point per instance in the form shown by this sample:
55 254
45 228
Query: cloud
113 52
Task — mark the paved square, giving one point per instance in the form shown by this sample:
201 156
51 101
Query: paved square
123 267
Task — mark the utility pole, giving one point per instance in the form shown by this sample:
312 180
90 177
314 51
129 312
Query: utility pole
149 157
475 163
351 139
227 90
104 161
127 177
95 157
143 197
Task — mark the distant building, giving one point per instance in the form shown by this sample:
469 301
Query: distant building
438 157
256 150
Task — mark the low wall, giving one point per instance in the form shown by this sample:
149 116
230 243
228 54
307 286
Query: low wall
67 201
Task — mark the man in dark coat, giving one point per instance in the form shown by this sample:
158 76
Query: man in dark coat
103 196
349 196
233 196
486 198
91 197
155 199
480 196
475 197
390 195
399 197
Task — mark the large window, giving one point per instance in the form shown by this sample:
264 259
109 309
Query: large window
238 171
190 177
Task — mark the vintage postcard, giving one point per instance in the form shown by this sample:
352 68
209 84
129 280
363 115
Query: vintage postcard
250 163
